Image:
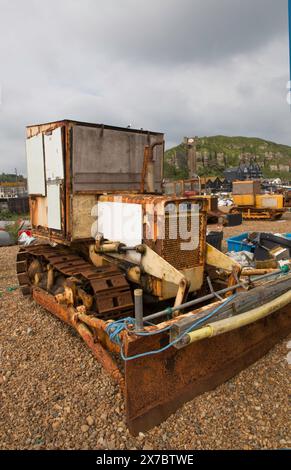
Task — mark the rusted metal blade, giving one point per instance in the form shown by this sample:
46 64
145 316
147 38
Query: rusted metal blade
156 386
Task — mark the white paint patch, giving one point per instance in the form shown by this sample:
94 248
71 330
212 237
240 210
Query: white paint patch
54 206
121 222
35 165
53 145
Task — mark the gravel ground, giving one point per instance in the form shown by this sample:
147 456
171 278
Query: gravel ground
54 395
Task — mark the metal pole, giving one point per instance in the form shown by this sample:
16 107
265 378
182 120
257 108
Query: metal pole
191 303
138 309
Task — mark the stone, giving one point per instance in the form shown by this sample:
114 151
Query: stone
56 425
90 420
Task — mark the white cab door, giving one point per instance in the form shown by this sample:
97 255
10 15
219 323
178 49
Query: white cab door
35 165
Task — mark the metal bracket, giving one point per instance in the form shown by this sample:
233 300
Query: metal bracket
212 290
182 294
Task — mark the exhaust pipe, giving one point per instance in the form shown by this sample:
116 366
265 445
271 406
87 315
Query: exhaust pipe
148 172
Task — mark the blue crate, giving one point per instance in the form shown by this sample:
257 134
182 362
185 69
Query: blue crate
237 244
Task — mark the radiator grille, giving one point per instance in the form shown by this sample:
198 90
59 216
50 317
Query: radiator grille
172 248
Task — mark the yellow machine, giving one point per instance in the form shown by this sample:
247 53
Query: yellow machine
248 199
192 188
128 267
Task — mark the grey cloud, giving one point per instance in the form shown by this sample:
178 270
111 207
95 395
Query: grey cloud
179 66
175 32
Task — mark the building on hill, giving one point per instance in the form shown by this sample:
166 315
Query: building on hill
246 171
214 184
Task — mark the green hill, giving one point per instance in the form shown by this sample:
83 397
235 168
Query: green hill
216 153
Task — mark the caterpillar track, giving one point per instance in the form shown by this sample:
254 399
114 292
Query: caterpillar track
256 214
104 291
253 213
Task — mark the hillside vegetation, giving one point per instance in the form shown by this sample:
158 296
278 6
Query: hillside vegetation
10 178
215 154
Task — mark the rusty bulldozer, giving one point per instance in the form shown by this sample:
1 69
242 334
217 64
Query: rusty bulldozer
168 316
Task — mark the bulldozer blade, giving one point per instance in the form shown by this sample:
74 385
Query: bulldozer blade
157 385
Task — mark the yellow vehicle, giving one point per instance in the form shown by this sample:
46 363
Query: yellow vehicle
192 188
248 199
129 268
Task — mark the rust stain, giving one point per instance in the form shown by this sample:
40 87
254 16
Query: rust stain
198 368
70 316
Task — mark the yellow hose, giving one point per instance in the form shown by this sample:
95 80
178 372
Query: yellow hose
233 323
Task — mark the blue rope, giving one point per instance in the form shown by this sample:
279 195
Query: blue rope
115 328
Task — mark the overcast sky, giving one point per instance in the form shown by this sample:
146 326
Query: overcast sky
184 67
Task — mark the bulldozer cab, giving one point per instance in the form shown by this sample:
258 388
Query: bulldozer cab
70 163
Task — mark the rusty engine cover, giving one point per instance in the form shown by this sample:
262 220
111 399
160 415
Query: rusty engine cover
156 212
